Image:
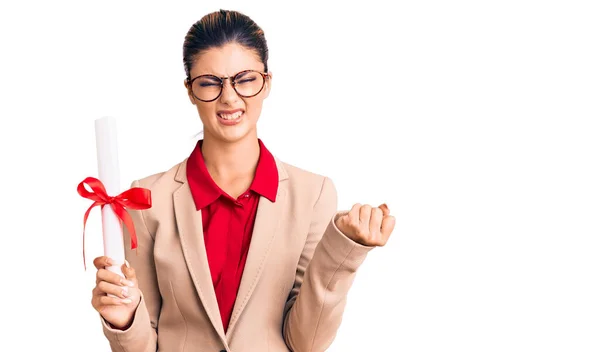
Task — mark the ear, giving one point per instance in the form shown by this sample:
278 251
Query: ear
189 92
268 83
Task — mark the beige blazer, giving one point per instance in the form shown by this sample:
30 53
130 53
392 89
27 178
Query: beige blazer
294 286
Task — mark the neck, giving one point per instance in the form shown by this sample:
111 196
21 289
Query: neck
229 161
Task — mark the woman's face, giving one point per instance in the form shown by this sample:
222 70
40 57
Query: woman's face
230 117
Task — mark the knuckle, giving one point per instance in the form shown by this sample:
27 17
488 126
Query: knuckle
103 286
342 219
100 262
363 233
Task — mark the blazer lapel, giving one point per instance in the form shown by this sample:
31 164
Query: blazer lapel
268 216
189 224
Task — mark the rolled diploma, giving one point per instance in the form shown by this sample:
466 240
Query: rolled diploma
108 174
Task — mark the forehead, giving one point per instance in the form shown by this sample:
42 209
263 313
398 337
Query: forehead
226 61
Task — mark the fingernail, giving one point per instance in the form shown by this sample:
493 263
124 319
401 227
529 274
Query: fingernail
127 264
126 282
126 301
109 262
125 292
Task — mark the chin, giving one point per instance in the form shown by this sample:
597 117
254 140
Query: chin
237 129
232 135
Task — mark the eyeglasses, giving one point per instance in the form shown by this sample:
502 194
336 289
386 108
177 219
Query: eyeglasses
246 84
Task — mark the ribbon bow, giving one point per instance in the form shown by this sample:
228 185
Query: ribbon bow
134 198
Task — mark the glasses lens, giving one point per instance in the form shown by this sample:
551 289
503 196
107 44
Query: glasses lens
248 84
207 87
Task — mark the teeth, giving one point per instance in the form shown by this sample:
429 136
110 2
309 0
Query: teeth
231 116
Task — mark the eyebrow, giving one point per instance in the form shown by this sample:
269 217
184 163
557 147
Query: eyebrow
209 76
217 75
243 74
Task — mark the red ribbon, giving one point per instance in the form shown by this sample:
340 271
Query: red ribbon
134 198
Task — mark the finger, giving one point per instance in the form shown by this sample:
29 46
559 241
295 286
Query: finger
104 288
100 300
385 209
375 222
108 276
113 278
129 272
351 219
387 226
113 301
102 262
354 213
365 215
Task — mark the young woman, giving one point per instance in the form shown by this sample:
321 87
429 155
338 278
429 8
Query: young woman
240 251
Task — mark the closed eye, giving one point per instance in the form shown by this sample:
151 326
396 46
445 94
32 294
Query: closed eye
246 80
209 84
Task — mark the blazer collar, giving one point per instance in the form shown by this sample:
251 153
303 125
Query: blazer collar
204 189
189 225
180 175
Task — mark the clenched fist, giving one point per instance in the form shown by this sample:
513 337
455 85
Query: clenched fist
367 225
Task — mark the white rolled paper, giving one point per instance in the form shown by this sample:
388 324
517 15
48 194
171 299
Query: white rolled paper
109 175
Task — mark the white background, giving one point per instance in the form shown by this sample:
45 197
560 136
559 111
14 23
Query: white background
476 121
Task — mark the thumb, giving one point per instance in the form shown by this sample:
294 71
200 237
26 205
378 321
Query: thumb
385 209
129 272
387 226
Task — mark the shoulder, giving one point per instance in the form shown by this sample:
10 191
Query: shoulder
163 179
303 182
162 186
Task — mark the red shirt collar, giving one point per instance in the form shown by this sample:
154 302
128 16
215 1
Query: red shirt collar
205 190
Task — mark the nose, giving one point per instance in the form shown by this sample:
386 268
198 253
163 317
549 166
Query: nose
228 95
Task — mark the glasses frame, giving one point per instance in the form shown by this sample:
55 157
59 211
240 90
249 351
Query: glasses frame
264 75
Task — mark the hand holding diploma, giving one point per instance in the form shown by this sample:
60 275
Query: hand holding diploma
116 294
104 192
114 297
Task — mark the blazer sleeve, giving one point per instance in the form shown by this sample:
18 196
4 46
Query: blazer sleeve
325 272
141 336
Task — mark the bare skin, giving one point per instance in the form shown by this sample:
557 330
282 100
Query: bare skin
119 310
231 154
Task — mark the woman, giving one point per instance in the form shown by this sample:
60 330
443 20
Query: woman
240 251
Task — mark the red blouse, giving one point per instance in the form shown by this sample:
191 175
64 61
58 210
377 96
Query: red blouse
227 222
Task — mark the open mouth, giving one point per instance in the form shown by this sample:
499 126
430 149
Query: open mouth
230 117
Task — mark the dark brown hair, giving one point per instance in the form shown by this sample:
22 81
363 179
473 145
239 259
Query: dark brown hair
220 28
